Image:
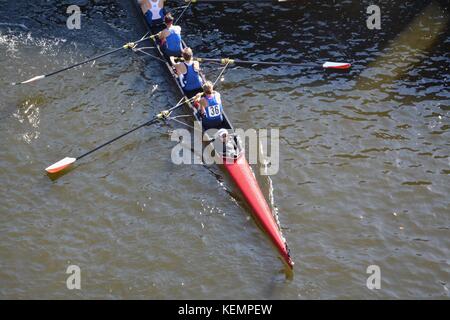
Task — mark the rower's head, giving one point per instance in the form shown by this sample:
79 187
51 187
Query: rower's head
222 134
187 54
208 88
168 19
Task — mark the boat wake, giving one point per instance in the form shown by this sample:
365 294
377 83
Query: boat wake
20 25
264 164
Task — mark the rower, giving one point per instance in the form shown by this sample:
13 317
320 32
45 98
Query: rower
210 107
153 11
188 73
228 145
170 38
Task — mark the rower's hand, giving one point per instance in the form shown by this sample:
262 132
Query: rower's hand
198 97
196 66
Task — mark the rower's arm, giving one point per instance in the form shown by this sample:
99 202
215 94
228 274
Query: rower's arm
144 6
176 66
162 35
203 105
197 66
200 103
218 97
179 68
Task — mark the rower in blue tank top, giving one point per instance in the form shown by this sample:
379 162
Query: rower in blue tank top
170 38
188 73
210 107
153 11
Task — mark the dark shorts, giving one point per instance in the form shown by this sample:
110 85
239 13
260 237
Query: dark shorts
211 124
192 93
168 53
153 23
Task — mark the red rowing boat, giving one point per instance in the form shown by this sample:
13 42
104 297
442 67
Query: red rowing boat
242 175
245 180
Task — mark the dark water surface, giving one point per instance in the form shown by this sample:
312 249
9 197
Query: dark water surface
364 172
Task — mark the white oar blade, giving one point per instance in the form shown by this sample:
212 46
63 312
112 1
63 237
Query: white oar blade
336 65
60 165
33 79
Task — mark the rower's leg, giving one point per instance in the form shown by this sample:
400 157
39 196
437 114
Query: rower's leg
148 18
167 57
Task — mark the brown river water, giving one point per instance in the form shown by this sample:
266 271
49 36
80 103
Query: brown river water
364 155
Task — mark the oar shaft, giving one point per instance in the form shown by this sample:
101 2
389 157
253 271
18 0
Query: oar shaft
84 62
268 63
161 115
275 1
126 46
237 61
182 12
227 61
116 138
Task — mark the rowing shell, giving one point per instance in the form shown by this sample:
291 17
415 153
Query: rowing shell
241 174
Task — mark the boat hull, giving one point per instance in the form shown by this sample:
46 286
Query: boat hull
242 175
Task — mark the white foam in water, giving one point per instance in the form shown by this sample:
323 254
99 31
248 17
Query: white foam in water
14 39
10 43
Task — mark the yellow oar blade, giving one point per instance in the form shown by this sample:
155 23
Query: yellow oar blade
60 165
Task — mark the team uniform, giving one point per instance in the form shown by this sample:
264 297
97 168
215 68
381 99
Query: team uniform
173 44
213 116
155 13
191 81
